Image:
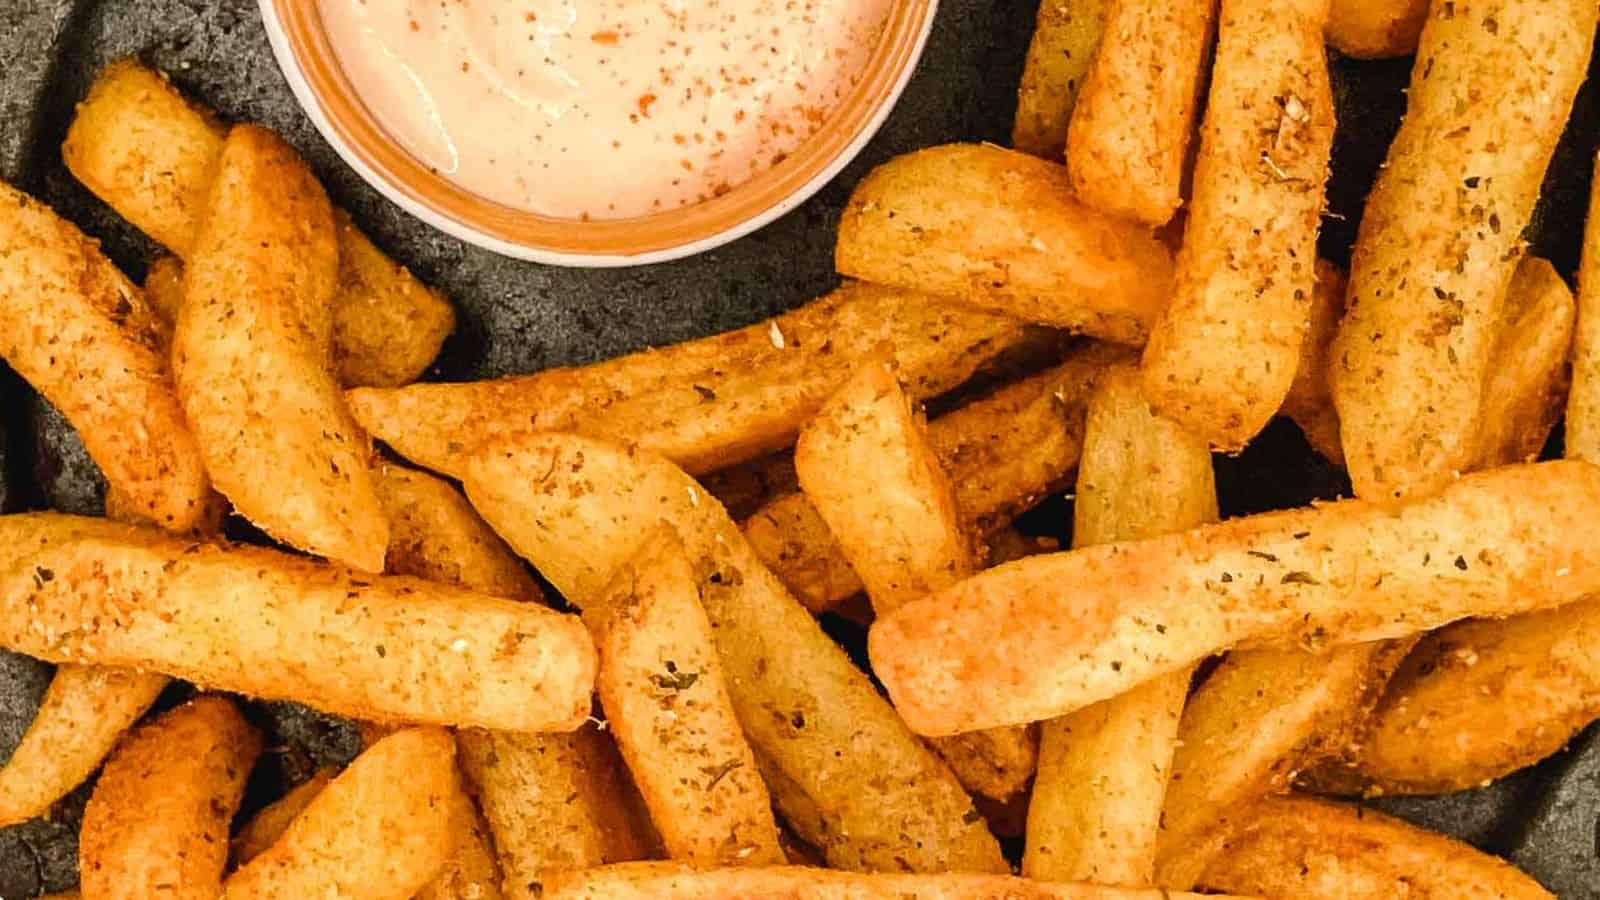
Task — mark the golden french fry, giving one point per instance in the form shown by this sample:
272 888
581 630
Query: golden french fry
1522 398
250 354
471 872
869 469
380 830
1135 114
268 624
1001 230
152 155
387 326
1477 701
266 826
1309 401
1003 453
1523 395
435 534
710 403
1249 727
1065 36
1223 356
872 475
1376 29
84 337
1442 233
548 801
1583 403
83 713
157 822
671 881
1104 619
140 146
1097 799
666 702
577 507
1307 848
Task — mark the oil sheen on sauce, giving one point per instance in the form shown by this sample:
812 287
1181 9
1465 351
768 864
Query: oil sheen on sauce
602 109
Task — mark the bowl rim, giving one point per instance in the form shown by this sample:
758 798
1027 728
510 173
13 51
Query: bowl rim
308 63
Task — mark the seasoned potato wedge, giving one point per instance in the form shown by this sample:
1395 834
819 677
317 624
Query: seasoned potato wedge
157 822
1000 230
1493 543
251 355
1065 36
706 404
378 831
264 623
1442 232
666 702
1303 847
84 337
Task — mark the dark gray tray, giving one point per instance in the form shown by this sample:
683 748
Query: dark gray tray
518 317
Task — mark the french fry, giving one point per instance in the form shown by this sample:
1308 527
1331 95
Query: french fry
1522 397
1223 356
550 801
1104 619
1103 770
707 404
670 881
869 469
435 534
264 623
380 830
84 337
1135 114
1442 233
1065 36
387 326
1583 403
1003 453
666 701
1477 701
266 826
1000 230
1257 720
1309 401
472 872
1376 29
84 711
1304 847
157 822
152 155
250 355
577 507
870 472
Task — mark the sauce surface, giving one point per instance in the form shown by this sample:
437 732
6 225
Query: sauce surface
602 109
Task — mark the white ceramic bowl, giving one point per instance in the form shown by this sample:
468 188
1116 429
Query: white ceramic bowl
308 62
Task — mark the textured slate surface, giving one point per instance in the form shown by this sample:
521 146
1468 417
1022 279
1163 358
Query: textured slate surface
521 317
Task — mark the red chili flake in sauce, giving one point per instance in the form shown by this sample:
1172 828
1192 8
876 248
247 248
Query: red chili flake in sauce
608 38
645 101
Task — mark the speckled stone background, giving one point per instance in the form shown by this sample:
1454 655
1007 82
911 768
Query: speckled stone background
518 317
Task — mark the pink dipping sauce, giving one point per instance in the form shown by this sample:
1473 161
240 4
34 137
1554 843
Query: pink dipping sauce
603 109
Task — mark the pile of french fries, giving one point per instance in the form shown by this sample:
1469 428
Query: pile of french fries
1143 284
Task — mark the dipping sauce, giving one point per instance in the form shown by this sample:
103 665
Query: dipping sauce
602 109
